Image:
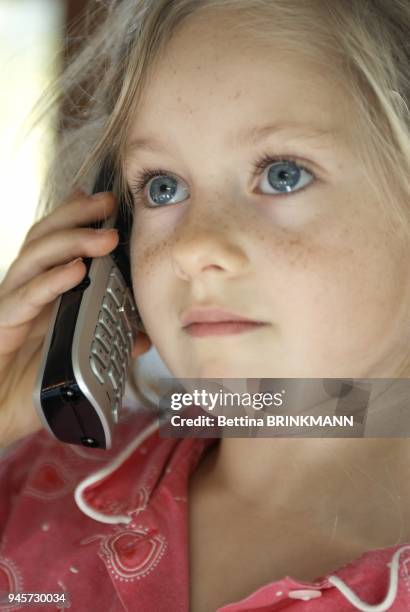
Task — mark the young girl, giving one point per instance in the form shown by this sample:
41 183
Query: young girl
266 145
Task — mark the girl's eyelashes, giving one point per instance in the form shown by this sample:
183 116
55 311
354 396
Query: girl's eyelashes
285 177
286 174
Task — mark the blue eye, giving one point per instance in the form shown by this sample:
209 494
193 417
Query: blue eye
163 187
285 176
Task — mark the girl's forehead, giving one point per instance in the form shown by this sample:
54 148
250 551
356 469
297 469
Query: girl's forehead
223 87
206 65
240 97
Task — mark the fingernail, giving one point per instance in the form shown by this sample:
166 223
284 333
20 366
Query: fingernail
99 196
103 230
74 261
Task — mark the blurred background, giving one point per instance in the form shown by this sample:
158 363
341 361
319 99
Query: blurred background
37 38
31 54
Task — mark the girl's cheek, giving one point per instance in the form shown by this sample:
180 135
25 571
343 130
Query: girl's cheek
142 262
148 255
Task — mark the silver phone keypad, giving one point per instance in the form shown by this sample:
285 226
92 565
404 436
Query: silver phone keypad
113 339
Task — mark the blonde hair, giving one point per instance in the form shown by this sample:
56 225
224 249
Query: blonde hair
364 44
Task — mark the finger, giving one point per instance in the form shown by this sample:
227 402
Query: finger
75 212
19 308
56 249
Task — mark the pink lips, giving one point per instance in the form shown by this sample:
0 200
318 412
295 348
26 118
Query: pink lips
219 329
200 322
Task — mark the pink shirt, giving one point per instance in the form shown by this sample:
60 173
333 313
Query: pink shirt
109 529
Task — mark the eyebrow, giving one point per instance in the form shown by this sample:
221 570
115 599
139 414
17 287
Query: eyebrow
247 136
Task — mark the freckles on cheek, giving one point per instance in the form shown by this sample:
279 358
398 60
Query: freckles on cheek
292 250
313 268
147 256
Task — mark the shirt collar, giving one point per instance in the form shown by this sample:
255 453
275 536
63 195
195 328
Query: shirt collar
125 484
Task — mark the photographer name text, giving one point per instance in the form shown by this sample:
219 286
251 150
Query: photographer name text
270 420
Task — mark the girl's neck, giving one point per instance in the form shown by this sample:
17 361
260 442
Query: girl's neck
341 488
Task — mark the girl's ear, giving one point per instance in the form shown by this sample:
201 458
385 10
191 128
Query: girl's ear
142 344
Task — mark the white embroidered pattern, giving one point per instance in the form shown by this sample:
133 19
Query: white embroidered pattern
132 554
11 580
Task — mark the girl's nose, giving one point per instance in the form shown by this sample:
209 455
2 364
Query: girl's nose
206 248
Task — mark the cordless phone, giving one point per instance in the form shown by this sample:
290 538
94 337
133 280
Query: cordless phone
87 349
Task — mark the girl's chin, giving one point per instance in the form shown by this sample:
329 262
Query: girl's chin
229 370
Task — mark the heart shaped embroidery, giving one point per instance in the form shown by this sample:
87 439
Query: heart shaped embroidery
10 581
48 482
133 554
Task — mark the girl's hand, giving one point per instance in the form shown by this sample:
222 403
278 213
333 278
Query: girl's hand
47 265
